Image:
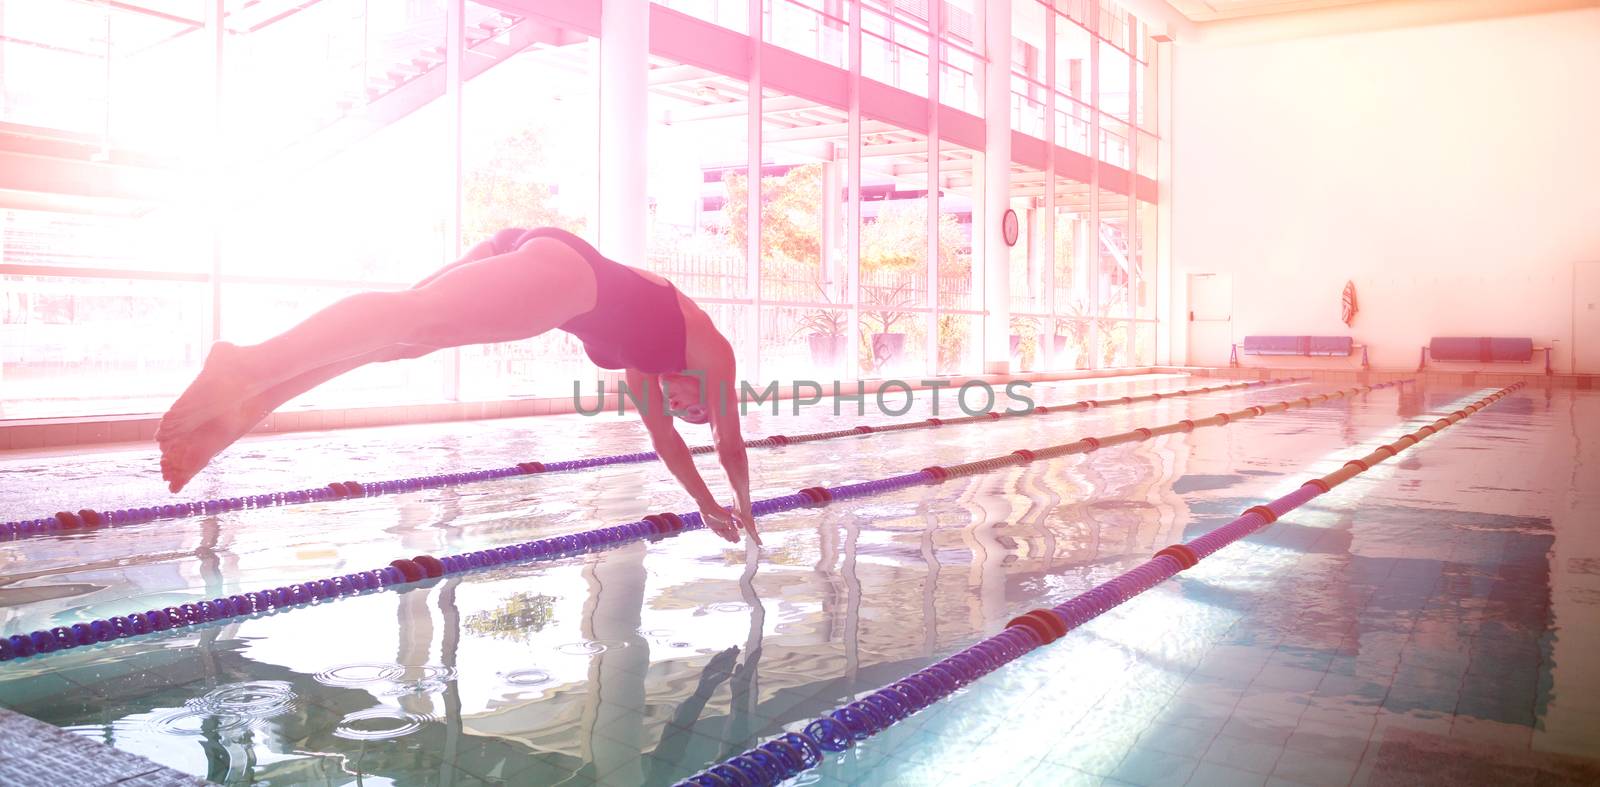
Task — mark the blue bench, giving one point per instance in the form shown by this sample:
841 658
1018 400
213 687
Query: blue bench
1482 349
1316 346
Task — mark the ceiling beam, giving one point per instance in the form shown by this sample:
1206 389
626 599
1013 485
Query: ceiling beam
71 203
23 172
824 131
816 150
151 12
894 149
732 109
679 73
965 165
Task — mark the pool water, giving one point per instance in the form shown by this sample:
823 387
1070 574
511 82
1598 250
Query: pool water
1432 621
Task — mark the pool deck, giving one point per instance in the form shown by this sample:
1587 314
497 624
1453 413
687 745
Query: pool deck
35 754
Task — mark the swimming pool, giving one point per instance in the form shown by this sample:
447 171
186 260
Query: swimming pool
1408 616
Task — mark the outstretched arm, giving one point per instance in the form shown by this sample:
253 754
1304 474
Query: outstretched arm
675 454
723 390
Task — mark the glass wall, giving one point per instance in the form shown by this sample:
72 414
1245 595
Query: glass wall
960 282
327 168
370 216
1101 291
528 158
95 346
698 163
1073 276
814 28
104 70
1112 273
1030 271
894 284
1143 292
732 14
1074 112
959 76
1029 68
698 186
804 287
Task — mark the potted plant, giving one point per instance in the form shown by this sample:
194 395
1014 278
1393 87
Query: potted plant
1070 338
1025 346
953 334
893 256
883 305
825 331
824 327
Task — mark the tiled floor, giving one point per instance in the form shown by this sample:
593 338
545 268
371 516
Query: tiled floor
1432 622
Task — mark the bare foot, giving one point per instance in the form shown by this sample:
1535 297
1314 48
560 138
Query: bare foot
186 454
222 386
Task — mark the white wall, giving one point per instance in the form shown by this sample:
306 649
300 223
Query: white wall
1452 171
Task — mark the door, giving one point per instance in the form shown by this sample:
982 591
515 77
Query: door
1210 318
1586 318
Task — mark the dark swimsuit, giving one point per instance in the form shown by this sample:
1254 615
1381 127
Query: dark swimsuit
635 323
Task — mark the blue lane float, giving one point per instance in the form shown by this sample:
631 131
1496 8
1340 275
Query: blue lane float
403 571
88 519
425 567
794 752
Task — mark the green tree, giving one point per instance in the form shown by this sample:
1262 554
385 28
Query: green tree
894 246
509 190
792 261
791 218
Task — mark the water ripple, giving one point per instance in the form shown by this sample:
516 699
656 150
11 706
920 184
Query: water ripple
526 677
380 723
353 675
229 707
582 648
394 679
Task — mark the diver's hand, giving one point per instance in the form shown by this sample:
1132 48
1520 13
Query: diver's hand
747 521
727 522
719 520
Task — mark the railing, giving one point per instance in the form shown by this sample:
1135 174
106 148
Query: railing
898 56
808 31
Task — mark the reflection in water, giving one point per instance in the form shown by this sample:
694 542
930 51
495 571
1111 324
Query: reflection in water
613 726
520 616
745 683
642 664
675 738
930 586
449 647
852 603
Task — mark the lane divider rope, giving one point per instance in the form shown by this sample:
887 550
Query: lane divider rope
790 754
403 571
90 519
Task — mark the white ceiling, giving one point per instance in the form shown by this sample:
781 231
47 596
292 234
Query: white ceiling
1214 10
